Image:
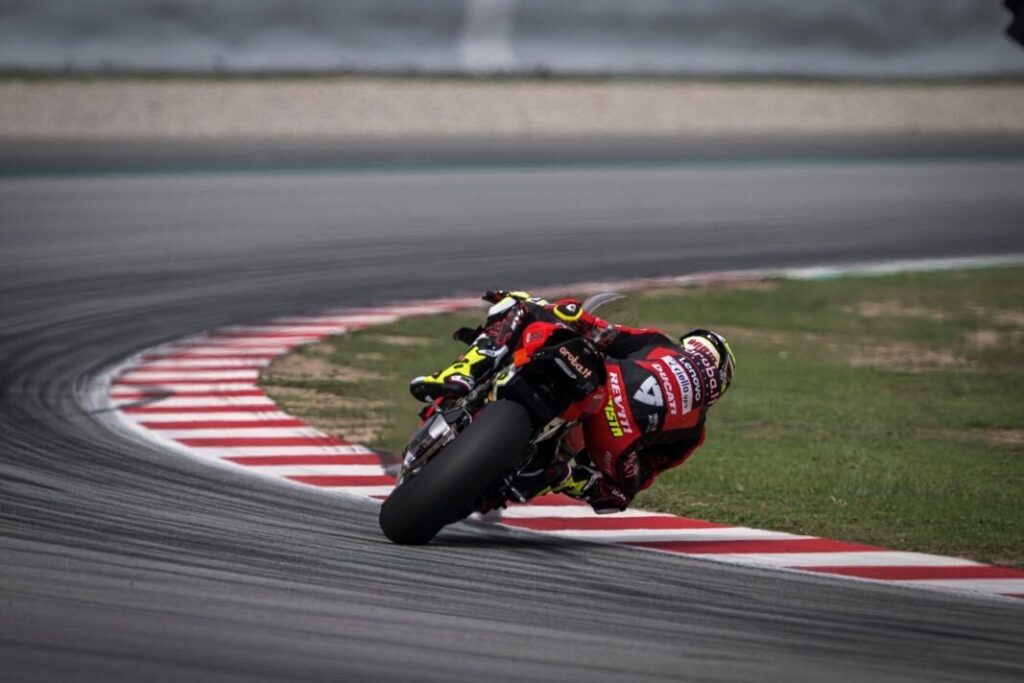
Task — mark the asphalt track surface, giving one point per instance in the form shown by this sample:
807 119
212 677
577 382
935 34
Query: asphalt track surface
120 561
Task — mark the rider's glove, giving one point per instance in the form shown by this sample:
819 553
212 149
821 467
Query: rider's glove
599 331
570 311
605 497
630 473
615 495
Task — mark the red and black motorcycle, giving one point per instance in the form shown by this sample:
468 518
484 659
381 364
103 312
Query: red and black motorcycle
469 453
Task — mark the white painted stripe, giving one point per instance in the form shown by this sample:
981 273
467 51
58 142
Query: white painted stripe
979 585
440 307
240 343
647 535
200 363
293 330
530 511
240 433
273 413
134 398
343 320
245 345
866 558
900 266
170 386
269 350
357 490
271 451
163 376
295 470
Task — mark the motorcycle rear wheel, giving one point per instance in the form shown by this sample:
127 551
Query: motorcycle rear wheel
445 489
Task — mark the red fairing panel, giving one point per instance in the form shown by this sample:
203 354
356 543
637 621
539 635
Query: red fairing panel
609 433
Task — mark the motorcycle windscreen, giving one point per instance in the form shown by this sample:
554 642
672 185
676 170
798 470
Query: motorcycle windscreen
614 307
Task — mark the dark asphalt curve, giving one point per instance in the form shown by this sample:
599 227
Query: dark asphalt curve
122 562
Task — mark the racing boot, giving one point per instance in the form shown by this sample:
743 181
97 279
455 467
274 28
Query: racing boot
576 481
459 378
572 480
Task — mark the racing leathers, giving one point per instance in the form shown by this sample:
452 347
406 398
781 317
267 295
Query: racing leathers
658 396
657 392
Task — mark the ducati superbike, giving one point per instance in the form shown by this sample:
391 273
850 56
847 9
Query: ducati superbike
468 453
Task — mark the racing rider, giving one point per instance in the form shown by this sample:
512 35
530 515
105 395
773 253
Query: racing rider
659 391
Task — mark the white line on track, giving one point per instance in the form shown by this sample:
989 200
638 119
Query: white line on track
274 413
157 376
242 433
244 344
361 491
570 511
219 349
867 558
123 399
176 387
339 322
312 330
202 363
275 451
730 533
976 585
338 470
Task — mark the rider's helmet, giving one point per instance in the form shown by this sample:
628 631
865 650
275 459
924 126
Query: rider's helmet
713 345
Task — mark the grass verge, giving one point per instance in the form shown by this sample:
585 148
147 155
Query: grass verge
884 410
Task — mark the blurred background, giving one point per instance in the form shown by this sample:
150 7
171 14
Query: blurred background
521 69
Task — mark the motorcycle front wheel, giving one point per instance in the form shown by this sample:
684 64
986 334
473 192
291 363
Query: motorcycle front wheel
444 490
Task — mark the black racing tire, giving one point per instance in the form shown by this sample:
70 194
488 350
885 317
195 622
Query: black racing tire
444 490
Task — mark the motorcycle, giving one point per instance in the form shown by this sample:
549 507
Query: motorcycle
469 453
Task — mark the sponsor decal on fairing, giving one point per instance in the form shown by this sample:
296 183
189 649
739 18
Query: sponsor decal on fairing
688 381
615 412
574 361
649 393
666 387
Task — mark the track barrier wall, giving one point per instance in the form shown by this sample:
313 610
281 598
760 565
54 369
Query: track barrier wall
825 38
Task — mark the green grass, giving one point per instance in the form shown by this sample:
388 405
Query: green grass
886 410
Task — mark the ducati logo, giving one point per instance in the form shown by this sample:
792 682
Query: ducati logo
649 393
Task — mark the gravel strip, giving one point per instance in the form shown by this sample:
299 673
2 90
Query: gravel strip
378 108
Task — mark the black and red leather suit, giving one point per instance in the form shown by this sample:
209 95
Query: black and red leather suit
658 395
